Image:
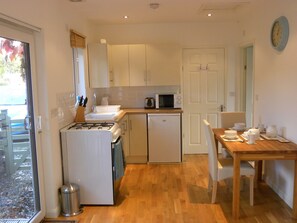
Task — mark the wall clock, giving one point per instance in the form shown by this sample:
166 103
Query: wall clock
279 33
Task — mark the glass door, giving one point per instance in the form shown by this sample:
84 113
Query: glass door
19 187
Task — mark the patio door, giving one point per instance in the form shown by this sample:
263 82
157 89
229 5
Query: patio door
20 183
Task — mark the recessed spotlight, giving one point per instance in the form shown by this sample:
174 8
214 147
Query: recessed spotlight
125 17
209 14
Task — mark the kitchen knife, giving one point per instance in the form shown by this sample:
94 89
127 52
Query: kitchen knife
81 101
85 101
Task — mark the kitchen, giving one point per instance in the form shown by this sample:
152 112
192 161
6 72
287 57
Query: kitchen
274 72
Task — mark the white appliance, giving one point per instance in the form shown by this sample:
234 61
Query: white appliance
168 101
88 153
164 137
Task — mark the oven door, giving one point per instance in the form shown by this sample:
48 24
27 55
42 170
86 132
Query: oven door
118 164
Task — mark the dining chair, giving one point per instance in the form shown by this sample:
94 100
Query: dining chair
228 119
221 169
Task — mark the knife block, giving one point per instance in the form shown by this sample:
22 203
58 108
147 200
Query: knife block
80 114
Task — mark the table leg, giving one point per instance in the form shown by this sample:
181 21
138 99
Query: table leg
236 186
295 193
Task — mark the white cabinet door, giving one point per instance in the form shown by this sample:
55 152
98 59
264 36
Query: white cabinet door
138 138
137 65
119 65
163 65
98 65
164 138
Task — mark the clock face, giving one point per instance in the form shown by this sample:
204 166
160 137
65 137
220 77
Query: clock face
276 35
280 33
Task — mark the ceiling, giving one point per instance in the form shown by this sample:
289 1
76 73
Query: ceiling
139 11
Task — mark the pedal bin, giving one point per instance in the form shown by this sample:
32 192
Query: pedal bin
70 199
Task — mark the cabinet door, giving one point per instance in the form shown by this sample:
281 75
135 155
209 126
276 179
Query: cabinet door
124 125
98 65
138 137
163 65
119 65
137 65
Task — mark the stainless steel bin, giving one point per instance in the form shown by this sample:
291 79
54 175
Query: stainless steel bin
70 199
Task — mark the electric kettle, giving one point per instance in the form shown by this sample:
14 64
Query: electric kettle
149 102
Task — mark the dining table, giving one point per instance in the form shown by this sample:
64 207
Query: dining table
263 149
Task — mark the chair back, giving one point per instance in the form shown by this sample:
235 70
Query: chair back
229 118
212 151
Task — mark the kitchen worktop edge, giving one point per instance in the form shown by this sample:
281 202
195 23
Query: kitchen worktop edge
145 111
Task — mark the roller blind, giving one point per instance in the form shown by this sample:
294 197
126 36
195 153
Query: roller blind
77 40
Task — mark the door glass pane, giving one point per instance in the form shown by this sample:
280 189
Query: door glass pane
19 193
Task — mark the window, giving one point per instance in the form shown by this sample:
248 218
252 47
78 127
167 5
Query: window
78 44
79 71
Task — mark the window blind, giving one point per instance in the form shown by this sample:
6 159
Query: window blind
77 40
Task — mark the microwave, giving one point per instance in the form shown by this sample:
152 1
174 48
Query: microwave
168 101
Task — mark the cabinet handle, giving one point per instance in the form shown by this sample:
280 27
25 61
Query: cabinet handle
130 123
111 76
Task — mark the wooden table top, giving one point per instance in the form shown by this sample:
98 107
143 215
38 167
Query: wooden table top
261 146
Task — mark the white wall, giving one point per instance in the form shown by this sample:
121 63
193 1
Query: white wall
55 78
275 84
187 35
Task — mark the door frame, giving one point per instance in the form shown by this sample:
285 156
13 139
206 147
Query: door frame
28 34
243 91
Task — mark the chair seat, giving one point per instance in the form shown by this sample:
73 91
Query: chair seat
225 168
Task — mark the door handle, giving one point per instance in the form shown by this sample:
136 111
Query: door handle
221 108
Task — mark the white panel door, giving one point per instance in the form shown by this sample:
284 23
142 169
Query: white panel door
203 91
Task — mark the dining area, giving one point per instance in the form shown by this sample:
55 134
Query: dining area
244 153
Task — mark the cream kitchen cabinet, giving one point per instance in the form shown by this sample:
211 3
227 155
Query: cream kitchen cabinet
119 65
163 65
137 64
98 65
137 139
128 65
124 125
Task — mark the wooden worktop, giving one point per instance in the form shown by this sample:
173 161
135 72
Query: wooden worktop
146 111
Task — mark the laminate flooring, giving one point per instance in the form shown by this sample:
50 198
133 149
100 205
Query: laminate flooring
177 193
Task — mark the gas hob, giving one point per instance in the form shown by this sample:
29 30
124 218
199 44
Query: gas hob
92 126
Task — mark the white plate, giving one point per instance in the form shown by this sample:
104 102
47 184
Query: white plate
230 138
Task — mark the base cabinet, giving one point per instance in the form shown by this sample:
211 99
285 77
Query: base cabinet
124 125
134 133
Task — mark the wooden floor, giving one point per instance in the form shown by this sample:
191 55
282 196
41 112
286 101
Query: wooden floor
159 193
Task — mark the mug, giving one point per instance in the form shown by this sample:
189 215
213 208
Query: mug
271 131
251 138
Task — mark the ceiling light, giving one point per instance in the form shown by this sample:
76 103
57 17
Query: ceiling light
125 17
209 14
154 5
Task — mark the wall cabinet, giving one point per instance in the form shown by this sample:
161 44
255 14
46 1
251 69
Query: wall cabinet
134 65
98 65
127 65
163 65
119 65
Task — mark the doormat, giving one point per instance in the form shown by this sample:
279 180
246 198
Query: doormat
58 221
